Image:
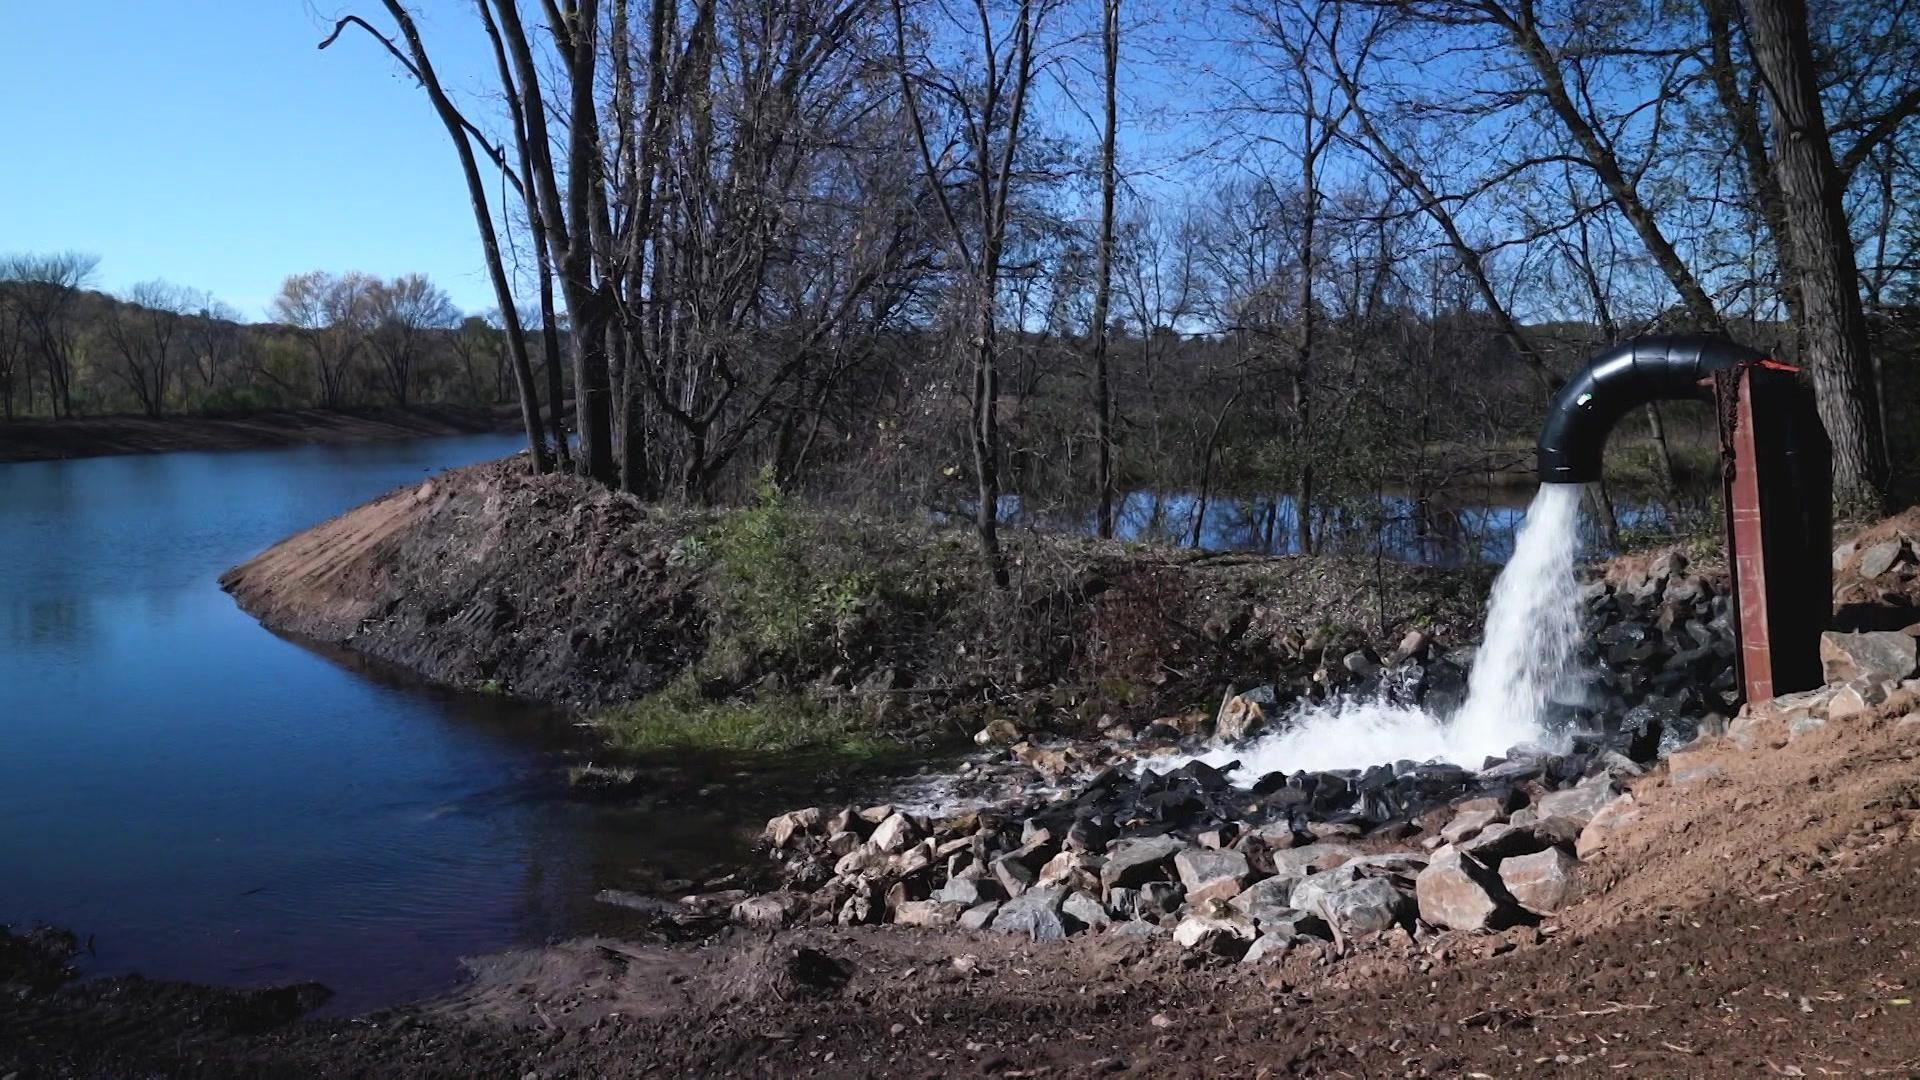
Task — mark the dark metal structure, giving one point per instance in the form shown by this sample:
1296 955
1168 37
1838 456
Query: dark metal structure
1777 467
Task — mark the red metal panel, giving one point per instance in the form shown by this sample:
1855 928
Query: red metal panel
1745 547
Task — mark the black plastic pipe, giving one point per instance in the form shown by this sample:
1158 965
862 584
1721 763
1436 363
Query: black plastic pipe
1660 368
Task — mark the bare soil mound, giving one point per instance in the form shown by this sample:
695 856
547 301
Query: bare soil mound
555 589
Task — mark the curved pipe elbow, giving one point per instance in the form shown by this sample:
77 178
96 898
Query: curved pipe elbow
1659 368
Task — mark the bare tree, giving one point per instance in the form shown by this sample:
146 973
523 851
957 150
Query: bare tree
462 134
332 315
988 98
1103 269
147 335
45 290
404 315
215 342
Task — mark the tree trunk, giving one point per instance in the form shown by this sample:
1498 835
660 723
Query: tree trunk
1103 275
986 442
1834 328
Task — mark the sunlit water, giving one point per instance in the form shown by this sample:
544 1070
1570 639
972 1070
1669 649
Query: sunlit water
208 801
1532 632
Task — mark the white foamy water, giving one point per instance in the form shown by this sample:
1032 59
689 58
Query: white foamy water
1532 632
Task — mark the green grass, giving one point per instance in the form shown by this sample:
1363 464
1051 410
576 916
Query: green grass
681 719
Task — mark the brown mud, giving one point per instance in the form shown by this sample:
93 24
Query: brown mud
106 436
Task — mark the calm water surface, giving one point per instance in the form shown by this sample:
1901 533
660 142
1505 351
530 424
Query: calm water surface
211 802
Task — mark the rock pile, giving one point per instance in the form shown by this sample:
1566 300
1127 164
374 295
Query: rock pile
1185 855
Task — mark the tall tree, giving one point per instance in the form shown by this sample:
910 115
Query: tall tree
405 315
46 289
1824 270
987 94
147 337
332 315
1103 264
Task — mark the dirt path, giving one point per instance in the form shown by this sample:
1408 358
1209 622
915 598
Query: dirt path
1755 920
103 436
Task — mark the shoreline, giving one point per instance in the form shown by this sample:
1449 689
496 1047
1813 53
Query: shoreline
120 435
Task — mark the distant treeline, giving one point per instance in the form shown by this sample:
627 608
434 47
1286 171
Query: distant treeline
158 348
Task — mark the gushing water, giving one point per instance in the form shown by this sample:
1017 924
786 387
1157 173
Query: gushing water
1532 633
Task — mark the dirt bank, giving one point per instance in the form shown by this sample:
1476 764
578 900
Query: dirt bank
1755 919
103 436
557 590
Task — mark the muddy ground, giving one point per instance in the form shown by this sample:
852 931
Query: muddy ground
104 436
1758 920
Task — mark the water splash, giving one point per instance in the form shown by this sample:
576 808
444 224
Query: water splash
1532 635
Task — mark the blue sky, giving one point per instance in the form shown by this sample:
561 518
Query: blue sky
207 142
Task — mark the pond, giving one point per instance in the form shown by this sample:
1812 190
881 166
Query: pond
207 801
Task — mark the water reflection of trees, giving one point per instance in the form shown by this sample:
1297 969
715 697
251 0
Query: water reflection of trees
1442 528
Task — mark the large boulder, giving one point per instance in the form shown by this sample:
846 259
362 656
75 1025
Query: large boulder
1879 655
1540 882
1242 716
1035 913
1087 910
1578 803
1274 894
1209 874
1226 935
1366 907
928 912
1602 830
1312 858
1134 862
897 833
781 830
1459 892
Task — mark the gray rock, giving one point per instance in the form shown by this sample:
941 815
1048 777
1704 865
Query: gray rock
1035 913
1242 716
1857 698
1540 882
1600 832
1469 823
782 829
1223 935
1878 655
1267 947
1123 902
896 833
1135 862
1459 892
1012 874
1312 858
1879 558
928 912
1267 896
1211 875
1137 928
1499 841
970 891
978 916
1579 803
1365 907
1843 552
1313 890
769 912
1159 898
1088 910
1359 663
